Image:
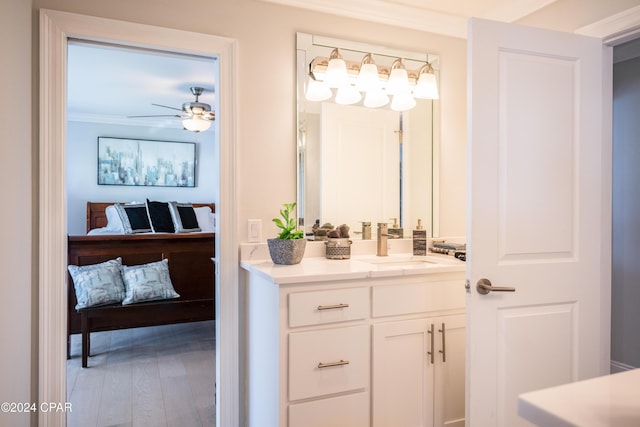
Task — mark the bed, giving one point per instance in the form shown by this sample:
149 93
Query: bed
190 266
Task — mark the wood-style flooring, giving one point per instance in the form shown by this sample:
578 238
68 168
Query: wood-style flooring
155 376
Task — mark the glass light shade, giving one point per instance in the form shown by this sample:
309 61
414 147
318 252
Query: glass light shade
336 74
398 81
317 91
376 98
347 94
368 78
403 101
196 124
427 87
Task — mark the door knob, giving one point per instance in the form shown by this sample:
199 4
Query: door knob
484 287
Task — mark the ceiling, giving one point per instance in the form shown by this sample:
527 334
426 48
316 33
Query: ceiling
106 84
443 17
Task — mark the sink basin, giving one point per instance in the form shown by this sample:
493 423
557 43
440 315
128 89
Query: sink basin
404 261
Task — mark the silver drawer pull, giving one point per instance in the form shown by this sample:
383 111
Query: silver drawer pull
332 307
328 365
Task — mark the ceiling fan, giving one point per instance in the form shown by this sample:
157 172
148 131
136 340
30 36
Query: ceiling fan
196 116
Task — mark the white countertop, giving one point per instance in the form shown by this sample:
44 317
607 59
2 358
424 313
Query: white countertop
316 268
608 401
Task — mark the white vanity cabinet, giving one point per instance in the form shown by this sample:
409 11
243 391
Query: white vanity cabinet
418 372
353 350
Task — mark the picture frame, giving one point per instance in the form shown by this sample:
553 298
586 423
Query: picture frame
145 162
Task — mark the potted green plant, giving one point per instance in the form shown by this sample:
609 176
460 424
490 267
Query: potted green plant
288 247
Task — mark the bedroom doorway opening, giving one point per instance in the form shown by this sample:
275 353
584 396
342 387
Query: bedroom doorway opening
146 375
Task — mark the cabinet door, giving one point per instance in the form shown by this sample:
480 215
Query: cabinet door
450 370
402 375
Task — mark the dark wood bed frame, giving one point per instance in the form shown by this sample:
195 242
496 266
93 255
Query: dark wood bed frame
190 265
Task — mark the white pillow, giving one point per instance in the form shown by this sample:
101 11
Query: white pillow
206 219
114 223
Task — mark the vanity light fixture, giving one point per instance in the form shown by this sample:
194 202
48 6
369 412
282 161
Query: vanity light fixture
350 81
317 90
426 87
336 74
398 79
368 77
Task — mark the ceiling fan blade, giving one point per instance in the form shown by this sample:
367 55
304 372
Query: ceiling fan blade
166 106
157 115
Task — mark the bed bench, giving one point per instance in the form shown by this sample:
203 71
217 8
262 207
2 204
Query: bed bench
192 274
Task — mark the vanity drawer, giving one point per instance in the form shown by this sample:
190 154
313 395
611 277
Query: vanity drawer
394 300
328 361
320 307
351 410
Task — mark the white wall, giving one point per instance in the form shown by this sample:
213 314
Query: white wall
625 316
19 177
82 154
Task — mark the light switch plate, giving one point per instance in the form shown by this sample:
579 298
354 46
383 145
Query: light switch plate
254 230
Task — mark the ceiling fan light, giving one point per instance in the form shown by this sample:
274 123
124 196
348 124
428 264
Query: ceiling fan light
196 124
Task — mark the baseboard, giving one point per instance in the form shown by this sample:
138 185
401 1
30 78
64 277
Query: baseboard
620 367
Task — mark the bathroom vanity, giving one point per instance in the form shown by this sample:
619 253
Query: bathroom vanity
367 341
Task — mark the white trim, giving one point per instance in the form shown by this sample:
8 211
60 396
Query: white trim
55 29
390 13
620 367
615 29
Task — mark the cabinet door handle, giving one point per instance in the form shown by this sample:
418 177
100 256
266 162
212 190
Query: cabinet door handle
328 365
333 306
430 353
444 349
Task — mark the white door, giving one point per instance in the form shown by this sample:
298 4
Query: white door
538 214
361 136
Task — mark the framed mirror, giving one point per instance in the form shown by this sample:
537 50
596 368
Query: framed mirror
361 161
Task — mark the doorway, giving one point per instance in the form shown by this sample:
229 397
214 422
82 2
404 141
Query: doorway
154 374
56 28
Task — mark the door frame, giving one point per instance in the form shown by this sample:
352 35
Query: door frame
55 29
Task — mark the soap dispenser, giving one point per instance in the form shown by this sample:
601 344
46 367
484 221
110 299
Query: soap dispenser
419 240
395 230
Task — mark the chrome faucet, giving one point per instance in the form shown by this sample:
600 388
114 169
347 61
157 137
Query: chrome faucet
383 236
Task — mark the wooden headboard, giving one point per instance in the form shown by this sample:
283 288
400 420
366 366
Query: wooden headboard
97 218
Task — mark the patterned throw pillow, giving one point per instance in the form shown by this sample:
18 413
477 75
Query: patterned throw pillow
135 218
184 217
98 284
148 282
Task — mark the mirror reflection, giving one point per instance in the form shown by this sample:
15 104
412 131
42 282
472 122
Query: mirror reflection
366 153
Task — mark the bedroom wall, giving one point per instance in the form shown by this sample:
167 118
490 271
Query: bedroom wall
82 154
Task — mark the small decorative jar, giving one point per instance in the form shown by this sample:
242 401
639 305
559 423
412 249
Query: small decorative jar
338 248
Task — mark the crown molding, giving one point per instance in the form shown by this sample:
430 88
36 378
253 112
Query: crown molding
384 12
615 29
